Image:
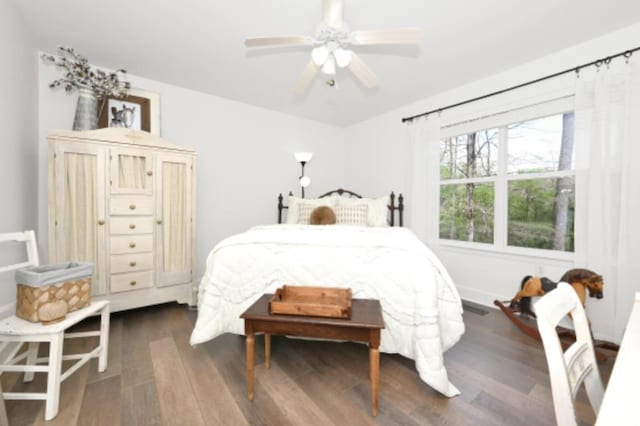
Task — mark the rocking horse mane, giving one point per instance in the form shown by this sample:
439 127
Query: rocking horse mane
589 279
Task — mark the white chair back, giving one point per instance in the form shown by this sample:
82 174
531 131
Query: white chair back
9 349
577 364
27 237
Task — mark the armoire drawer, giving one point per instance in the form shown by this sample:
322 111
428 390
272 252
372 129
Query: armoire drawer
131 244
131 262
131 225
131 281
127 206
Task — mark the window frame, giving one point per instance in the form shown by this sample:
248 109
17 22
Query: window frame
501 179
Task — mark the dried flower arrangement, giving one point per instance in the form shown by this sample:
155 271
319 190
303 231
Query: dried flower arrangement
78 73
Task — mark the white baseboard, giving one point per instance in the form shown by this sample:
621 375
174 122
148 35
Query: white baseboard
478 296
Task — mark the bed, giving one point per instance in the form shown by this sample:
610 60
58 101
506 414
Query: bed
421 306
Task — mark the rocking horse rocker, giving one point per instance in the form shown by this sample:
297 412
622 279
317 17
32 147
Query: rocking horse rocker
583 281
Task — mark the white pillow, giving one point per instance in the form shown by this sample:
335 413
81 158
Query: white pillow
304 213
377 210
293 213
352 215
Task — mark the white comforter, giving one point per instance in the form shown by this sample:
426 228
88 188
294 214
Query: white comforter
421 306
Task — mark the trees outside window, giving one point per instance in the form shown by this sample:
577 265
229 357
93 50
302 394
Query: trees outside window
525 168
468 165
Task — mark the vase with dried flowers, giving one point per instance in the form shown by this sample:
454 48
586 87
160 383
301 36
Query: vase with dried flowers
92 84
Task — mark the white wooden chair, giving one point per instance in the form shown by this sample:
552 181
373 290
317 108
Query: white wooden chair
15 332
577 364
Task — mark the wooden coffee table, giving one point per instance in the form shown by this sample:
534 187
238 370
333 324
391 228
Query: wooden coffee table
364 326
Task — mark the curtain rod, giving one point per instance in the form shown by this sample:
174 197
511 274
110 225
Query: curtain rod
598 63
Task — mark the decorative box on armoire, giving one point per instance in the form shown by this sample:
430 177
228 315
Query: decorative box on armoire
125 201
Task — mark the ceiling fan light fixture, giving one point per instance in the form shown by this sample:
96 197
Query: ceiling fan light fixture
320 55
343 57
331 47
329 66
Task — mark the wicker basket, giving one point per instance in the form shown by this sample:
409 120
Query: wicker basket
39 300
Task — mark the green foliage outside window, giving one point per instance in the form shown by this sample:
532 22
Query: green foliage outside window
532 215
540 209
455 222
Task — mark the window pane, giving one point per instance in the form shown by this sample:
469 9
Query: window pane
541 213
471 155
466 212
541 145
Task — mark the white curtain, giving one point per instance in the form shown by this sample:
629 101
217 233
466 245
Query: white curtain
174 206
607 163
424 191
79 241
132 171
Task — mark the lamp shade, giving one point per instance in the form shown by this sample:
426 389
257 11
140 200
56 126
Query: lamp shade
329 66
343 57
320 55
305 181
303 157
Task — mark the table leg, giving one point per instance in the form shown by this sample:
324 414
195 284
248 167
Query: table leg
374 372
267 350
251 345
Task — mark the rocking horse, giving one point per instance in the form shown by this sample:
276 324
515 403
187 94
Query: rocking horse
583 281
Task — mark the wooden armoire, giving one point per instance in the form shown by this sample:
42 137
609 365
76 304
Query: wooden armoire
125 201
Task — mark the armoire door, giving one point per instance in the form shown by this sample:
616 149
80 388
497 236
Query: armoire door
131 171
80 213
173 218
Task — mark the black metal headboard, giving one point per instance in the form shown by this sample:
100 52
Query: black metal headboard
392 206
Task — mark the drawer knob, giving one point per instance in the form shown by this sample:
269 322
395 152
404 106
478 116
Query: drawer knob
101 222
132 226
132 264
159 221
132 245
132 283
132 207
149 173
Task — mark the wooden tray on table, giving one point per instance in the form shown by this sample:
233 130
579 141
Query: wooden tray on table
329 302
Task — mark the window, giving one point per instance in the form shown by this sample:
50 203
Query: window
512 185
468 165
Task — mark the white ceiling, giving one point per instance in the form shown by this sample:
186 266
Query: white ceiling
198 44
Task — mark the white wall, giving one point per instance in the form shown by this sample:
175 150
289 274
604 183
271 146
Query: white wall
245 154
381 158
18 145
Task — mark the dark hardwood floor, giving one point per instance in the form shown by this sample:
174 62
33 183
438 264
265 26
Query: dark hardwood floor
156 378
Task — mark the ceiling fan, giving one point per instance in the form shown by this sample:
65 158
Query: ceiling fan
332 46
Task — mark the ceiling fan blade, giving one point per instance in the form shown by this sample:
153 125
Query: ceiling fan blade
391 36
362 72
278 41
332 10
309 72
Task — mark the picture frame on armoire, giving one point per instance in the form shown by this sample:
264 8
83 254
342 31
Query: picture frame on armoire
138 110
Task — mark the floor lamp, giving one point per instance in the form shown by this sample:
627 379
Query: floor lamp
303 158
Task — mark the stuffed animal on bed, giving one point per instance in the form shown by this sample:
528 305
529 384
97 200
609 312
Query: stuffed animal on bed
322 215
580 279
